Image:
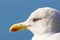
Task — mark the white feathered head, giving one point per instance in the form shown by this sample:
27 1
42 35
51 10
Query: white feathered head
42 20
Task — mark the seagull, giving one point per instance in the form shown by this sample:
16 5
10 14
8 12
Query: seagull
44 23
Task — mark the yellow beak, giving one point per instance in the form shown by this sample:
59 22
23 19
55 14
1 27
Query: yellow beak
16 27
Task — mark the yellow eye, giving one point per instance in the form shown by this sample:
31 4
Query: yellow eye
36 19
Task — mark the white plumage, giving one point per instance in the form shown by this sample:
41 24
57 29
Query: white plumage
44 23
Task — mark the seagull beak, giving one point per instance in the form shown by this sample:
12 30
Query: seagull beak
17 27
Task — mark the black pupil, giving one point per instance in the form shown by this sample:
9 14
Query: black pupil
35 19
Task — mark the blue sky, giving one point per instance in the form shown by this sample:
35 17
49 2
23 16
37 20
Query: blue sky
15 11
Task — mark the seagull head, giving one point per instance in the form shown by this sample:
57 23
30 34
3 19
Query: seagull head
43 20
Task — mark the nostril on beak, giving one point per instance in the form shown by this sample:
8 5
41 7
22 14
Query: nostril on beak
29 25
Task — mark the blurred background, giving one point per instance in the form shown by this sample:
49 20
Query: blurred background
15 11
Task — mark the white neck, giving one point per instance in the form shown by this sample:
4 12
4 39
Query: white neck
41 36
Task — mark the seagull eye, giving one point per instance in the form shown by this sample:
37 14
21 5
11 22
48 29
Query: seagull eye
36 19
